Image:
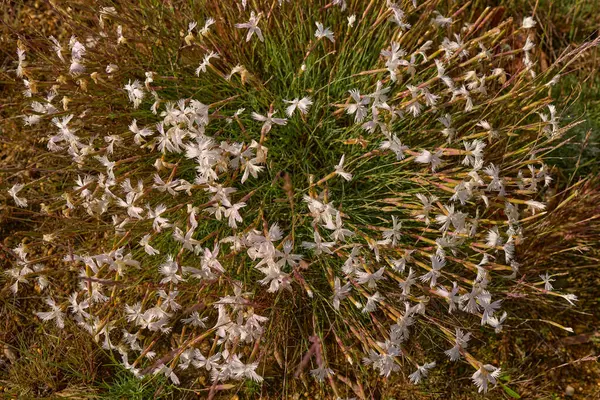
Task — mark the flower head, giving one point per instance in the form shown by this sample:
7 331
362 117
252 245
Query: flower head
323 32
252 26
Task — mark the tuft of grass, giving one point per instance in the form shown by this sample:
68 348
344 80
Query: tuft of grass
304 330
123 385
578 158
45 364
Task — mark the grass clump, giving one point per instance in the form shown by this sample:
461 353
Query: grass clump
279 192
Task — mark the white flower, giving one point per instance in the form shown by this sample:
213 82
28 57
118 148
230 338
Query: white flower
145 241
76 67
493 237
19 274
489 308
379 96
16 188
398 15
372 302
163 186
167 372
497 322
399 264
440 20
252 26
409 281
448 131
110 68
437 263
274 277
206 62
553 81
456 218
340 292
547 281
268 121
393 235
287 257
250 167
233 214
209 259
493 133
195 320
169 270
452 296
426 157
386 361
134 313
394 59
370 278
485 375
430 98
394 144
414 107
570 298
341 3
192 25
206 27
528 23
149 79
136 93
461 342
339 232
427 206
31 120
242 371
465 95
57 47
132 210
339 170
552 120
303 105
210 363
318 245
139 133
169 300
474 156
77 52
529 45
351 20
321 373
359 108
323 32
496 184
56 314
132 340
120 38
535 205
421 372
158 222
450 47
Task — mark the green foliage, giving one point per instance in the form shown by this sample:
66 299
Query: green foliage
579 157
123 385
